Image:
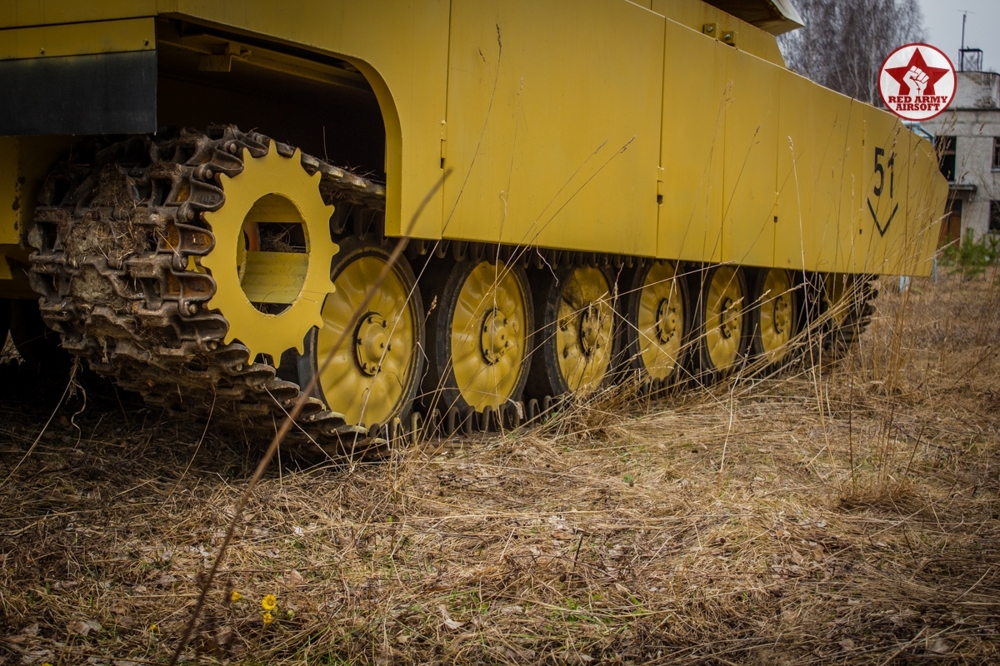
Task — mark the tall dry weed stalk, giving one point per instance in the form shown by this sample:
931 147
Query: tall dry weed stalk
890 370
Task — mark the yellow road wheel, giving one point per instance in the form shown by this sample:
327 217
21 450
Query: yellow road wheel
721 315
480 335
373 375
577 333
657 315
838 295
845 309
272 253
774 315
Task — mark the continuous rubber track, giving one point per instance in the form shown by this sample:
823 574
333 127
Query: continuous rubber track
119 232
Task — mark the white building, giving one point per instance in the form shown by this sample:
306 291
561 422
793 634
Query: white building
968 139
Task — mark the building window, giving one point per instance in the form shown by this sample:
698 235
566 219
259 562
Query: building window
996 152
952 227
995 217
946 156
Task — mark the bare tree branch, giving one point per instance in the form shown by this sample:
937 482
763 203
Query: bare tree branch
844 42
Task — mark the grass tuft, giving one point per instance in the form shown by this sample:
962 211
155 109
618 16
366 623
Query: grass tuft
842 513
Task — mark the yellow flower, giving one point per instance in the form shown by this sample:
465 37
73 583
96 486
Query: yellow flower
153 628
235 596
269 602
268 618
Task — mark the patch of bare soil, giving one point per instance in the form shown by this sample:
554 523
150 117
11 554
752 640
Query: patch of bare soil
844 514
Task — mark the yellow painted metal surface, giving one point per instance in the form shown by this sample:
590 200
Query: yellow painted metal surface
5 272
274 277
27 13
400 47
78 39
882 195
696 14
10 191
271 178
534 156
566 134
693 145
900 189
838 293
819 171
750 169
24 161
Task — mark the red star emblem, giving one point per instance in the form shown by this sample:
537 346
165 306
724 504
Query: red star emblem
934 74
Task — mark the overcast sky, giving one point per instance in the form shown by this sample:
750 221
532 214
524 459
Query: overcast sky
943 24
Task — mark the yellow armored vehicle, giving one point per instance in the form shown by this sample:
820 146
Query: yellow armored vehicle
203 199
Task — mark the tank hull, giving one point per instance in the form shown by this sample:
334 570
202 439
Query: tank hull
537 200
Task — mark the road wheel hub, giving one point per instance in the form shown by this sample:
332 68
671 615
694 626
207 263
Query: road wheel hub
371 343
495 338
728 316
590 330
782 314
666 320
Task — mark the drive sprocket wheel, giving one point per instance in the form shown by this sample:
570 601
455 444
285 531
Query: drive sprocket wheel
774 315
373 376
658 321
722 320
271 260
480 333
577 331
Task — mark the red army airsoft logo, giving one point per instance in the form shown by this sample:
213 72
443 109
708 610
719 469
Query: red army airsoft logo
917 82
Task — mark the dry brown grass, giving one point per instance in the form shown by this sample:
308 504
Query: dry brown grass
846 515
